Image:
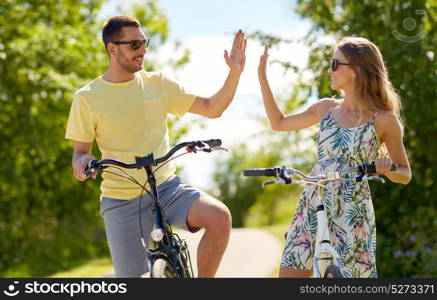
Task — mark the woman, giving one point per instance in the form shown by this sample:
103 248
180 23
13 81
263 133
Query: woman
353 130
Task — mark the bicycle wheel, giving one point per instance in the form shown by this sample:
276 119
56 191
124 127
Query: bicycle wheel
162 269
333 271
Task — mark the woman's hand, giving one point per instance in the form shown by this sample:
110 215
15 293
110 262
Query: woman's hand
383 165
262 74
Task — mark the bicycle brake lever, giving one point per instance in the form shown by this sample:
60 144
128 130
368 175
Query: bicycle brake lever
90 168
220 148
279 180
213 149
89 171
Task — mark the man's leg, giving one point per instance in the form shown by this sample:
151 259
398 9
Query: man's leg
123 232
215 217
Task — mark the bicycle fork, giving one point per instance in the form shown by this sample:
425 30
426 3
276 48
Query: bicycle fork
162 237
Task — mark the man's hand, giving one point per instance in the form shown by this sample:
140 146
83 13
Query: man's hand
79 166
237 59
81 156
214 106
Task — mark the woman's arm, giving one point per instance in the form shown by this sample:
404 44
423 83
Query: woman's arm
390 131
280 122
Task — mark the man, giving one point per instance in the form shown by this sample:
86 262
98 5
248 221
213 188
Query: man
125 110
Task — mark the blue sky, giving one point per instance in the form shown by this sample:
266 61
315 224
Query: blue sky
213 17
196 17
206 17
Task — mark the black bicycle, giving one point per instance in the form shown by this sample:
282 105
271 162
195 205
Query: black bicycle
168 256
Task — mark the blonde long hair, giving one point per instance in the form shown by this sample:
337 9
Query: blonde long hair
374 87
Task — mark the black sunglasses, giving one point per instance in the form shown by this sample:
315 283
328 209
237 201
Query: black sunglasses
134 44
335 63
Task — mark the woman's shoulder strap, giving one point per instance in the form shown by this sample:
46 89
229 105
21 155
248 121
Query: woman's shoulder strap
332 102
328 105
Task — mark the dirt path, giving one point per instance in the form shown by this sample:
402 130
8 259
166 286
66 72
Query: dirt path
250 253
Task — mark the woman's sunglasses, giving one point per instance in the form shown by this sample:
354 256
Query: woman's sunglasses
134 44
335 63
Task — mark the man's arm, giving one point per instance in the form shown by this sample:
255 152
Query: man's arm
81 156
213 107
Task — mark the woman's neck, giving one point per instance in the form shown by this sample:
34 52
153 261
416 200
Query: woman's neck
351 101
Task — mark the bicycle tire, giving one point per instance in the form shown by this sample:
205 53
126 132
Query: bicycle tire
333 271
161 268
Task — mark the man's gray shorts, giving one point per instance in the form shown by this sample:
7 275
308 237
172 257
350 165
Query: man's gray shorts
122 224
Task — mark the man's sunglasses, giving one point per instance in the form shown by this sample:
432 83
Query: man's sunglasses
134 44
335 63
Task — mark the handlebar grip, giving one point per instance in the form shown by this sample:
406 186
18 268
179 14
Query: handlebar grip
371 169
213 143
259 172
90 166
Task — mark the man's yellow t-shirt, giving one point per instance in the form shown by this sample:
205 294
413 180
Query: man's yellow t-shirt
127 119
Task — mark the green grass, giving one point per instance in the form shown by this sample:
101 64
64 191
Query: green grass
283 212
91 269
278 231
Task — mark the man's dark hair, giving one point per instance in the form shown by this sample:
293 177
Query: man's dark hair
113 26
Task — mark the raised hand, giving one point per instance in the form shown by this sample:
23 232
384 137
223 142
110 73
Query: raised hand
237 58
262 74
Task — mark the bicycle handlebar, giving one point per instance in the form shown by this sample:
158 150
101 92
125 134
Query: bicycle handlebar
149 160
286 173
261 172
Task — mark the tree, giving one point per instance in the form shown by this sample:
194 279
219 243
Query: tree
48 49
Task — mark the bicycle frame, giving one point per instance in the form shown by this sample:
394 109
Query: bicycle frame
324 252
168 247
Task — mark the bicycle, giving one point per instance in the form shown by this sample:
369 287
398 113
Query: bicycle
326 259
169 256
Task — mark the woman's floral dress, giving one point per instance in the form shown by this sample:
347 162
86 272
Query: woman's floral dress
348 204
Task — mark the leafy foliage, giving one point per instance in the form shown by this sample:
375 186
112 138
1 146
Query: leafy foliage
48 49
